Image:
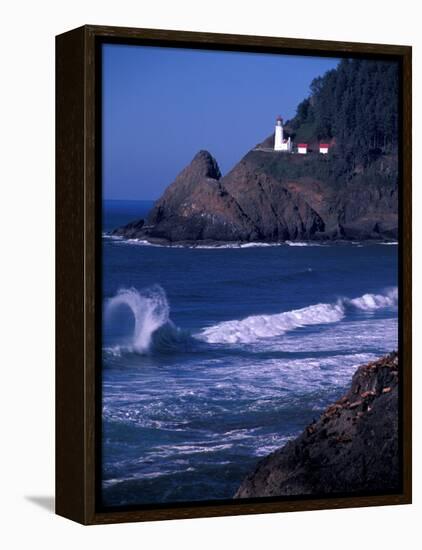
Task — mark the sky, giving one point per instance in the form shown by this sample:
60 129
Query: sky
162 105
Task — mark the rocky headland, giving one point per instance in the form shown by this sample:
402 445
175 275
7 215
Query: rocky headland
271 197
352 447
351 193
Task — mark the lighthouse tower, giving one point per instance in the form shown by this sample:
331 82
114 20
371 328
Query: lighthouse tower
281 144
278 140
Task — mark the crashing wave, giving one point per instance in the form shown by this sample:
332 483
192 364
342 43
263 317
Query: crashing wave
255 327
153 329
370 302
155 332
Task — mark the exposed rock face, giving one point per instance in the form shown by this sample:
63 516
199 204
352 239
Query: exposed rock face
353 447
270 197
202 170
278 211
195 207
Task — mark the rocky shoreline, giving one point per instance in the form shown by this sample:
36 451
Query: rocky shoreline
352 447
117 235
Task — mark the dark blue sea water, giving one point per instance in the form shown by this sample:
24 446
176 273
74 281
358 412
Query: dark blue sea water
213 358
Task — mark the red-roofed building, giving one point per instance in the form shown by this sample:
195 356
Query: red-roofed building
323 148
302 148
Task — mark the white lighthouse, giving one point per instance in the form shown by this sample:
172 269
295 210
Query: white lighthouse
281 144
278 140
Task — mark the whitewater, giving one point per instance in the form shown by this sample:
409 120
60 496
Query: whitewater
151 314
214 357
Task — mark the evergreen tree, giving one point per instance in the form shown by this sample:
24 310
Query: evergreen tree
357 105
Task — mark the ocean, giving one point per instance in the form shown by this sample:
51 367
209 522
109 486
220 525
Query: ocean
214 357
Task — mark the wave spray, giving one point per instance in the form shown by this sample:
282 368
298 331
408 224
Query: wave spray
150 311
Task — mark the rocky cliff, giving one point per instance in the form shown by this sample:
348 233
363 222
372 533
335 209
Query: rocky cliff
353 447
351 193
273 197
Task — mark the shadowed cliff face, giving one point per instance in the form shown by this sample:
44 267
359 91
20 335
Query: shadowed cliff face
202 172
277 209
196 207
272 197
352 447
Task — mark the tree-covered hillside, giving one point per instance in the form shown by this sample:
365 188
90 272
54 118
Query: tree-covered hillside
356 107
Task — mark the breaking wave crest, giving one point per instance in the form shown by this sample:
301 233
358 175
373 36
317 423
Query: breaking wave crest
255 327
153 329
369 302
155 332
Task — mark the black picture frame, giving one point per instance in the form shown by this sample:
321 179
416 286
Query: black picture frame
78 270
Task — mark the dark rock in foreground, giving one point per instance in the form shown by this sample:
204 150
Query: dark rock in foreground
272 197
353 446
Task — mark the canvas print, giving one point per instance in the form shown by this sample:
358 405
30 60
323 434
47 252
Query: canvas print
250 251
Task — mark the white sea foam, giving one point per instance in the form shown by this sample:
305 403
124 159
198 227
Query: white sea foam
217 246
256 327
303 243
254 244
150 310
259 245
214 246
369 302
